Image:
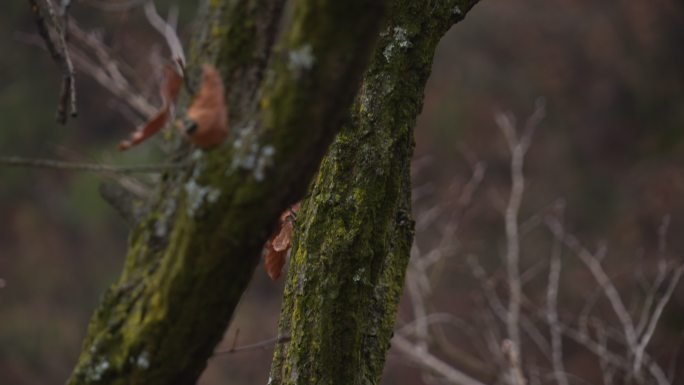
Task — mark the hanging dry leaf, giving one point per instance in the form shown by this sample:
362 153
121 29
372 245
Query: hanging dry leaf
169 90
208 111
279 244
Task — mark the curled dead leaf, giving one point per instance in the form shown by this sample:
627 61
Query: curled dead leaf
278 246
169 91
207 111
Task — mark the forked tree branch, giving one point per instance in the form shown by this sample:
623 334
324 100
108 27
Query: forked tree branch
191 257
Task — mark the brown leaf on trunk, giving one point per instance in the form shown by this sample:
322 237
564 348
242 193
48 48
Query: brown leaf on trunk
279 244
274 261
282 240
208 111
169 90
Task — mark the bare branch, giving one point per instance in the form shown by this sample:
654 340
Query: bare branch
419 312
116 6
106 71
607 370
655 317
466 195
515 370
518 147
15 161
256 346
592 261
169 32
533 122
44 32
67 98
552 314
636 344
651 297
68 93
671 373
430 362
121 200
662 234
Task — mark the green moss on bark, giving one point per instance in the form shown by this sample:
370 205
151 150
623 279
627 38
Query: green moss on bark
354 232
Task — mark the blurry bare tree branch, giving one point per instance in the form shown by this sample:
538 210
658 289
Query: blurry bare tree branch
520 330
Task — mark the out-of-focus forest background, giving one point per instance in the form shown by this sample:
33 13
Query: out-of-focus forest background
611 146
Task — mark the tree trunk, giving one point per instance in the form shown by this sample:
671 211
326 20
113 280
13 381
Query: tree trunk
195 247
194 250
354 232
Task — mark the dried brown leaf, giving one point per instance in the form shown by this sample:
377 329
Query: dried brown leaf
279 245
169 91
282 241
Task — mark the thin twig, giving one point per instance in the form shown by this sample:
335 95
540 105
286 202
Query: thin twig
257 346
116 6
44 32
663 270
15 161
499 310
655 317
67 98
107 70
64 7
512 258
235 338
552 314
518 146
592 261
168 31
468 191
432 363
636 344
419 311
513 361
607 370
671 372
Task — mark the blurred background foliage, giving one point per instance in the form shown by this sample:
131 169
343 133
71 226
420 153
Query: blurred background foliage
611 146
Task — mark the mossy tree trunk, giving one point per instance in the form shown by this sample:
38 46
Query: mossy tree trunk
197 242
354 232
194 249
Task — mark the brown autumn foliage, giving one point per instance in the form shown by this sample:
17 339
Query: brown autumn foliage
207 111
169 91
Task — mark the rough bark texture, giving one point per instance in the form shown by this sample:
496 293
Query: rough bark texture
354 232
194 250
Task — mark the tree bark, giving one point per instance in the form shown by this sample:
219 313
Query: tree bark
194 250
354 232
